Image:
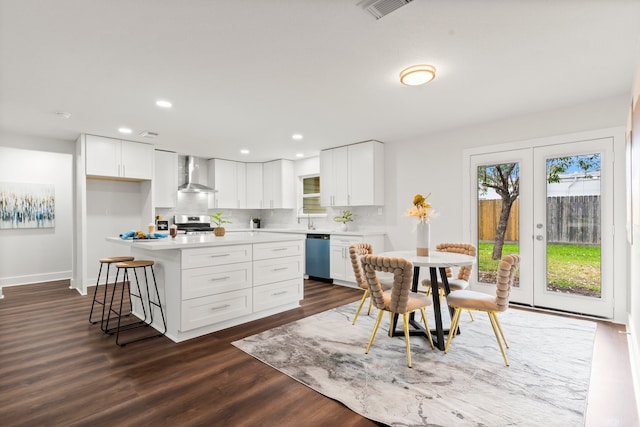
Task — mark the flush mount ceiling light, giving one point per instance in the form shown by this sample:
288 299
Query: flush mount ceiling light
124 130
417 75
299 155
296 136
244 151
163 103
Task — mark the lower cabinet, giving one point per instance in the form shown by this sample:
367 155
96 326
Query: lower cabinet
223 283
275 294
204 311
340 260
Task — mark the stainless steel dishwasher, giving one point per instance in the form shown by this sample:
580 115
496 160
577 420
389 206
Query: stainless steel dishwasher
318 251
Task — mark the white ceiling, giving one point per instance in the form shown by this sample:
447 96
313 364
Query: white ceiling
250 73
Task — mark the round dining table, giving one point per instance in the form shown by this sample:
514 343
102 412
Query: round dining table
436 262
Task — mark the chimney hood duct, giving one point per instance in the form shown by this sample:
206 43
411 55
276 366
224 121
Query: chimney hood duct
192 175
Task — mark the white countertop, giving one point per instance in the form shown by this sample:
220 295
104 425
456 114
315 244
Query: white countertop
304 231
204 240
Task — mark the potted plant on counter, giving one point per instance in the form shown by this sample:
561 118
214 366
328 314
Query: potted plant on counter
217 220
344 219
256 222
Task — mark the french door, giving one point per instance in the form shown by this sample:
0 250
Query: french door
552 205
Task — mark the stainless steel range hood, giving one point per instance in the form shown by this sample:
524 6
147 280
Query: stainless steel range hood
192 172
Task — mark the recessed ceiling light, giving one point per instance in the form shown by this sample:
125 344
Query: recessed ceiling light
244 151
296 136
63 114
124 130
417 75
299 155
164 103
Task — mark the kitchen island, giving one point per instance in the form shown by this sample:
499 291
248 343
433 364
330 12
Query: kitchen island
209 283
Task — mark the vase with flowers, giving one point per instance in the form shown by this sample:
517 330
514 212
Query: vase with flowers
344 219
422 210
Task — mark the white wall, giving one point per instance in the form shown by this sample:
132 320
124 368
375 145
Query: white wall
38 255
433 163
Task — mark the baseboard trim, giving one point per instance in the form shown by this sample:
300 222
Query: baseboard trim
34 278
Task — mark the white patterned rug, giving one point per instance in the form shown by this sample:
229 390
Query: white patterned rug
546 383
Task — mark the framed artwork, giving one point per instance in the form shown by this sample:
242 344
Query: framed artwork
27 205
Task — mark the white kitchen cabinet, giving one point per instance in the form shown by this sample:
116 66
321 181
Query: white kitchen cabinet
228 178
334 176
278 185
278 268
352 175
115 158
216 285
165 179
341 270
254 174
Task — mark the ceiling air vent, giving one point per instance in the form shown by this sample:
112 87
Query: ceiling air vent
380 8
148 134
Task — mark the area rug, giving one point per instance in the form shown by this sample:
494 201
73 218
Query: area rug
546 383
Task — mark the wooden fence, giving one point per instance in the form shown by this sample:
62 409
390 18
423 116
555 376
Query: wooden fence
571 219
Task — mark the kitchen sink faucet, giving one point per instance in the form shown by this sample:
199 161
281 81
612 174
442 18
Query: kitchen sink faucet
310 225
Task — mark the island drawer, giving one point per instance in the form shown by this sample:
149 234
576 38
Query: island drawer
276 294
276 270
199 312
199 282
219 255
277 249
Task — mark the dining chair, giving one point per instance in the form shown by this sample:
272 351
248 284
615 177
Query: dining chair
490 304
356 251
399 299
461 281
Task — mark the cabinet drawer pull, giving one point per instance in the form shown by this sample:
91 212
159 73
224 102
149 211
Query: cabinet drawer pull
220 307
219 255
213 279
281 268
278 293
279 249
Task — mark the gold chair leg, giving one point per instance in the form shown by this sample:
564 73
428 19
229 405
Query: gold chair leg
453 328
405 321
370 303
375 329
500 329
493 318
390 324
426 326
471 315
364 297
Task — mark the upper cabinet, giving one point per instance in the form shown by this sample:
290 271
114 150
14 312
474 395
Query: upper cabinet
165 179
228 178
254 186
278 185
352 175
115 158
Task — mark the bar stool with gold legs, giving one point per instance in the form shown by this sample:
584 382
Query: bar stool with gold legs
148 297
103 302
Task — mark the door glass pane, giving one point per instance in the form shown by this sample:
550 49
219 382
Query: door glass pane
573 225
498 218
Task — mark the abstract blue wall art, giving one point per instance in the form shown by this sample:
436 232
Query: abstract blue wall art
24 205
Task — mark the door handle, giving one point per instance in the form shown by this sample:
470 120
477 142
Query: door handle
539 237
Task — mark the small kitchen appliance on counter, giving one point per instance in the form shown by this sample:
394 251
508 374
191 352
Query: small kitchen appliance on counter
193 224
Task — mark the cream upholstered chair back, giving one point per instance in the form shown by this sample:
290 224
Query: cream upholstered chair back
506 272
461 248
402 271
356 251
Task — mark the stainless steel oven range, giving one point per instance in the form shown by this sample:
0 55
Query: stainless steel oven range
193 224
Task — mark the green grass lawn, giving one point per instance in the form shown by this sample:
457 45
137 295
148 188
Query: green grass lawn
569 266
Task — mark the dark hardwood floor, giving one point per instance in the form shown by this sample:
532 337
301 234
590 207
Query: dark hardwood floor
57 369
